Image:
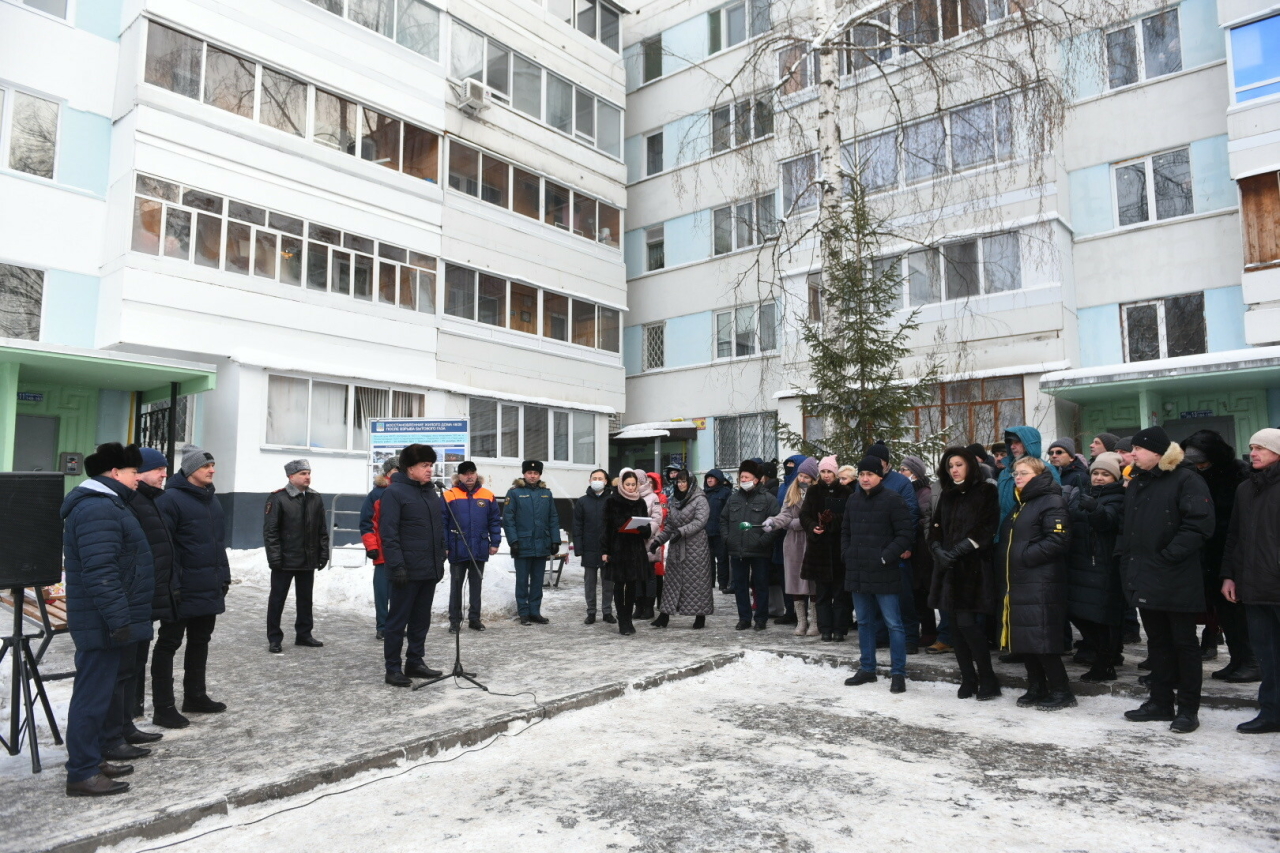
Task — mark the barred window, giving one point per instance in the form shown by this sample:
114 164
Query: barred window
654 355
745 437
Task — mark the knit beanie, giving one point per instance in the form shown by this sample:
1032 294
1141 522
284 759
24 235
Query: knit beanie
193 459
1066 444
879 450
1108 441
1152 438
916 466
151 460
390 465
828 463
1124 445
873 464
1268 438
1109 462
808 466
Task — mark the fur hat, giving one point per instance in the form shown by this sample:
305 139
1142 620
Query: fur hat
1108 441
415 454
466 467
1109 462
151 460
193 459
296 466
749 466
110 456
873 464
828 463
808 466
999 447
1267 438
531 465
1152 438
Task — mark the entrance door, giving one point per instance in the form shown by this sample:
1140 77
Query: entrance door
1180 428
35 443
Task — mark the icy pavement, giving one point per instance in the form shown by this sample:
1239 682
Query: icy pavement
774 754
311 717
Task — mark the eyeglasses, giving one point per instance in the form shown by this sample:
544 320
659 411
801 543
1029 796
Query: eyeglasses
1057 452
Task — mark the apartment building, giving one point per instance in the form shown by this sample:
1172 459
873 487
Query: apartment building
268 222
1078 278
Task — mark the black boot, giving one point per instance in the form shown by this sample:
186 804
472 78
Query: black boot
988 688
1037 691
1056 701
1209 645
699 621
1245 673
1099 673
968 675
661 621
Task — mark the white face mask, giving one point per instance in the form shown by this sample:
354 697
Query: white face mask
746 487
597 485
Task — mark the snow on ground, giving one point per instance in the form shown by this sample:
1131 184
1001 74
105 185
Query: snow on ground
348 583
773 754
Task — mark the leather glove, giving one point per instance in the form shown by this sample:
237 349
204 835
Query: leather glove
1088 503
373 555
963 548
825 518
120 636
941 556
654 546
400 577
646 531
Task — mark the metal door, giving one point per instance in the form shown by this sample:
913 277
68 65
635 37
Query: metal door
35 443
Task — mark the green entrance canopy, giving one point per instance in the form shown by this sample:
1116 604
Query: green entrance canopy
1256 367
88 368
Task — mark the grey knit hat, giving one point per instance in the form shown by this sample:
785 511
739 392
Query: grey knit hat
291 468
390 465
194 458
1066 444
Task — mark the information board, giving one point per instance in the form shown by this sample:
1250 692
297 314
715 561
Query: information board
449 436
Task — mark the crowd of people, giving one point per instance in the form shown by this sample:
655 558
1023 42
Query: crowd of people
992 550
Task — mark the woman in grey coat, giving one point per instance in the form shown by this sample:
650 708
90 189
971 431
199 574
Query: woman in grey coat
686 589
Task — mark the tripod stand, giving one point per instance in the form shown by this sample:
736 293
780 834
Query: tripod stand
458 671
25 673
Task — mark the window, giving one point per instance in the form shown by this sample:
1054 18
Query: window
584 216
241 87
466 55
1161 183
502 430
555 205
651 51
799 184
464 168
745 437
560 436
1150 48
727 27
584 114
653 154
584 323
57 8
559 103
459 292
555 316
878 166
609 129
814 283
526 86
610 27
609 328
584 438
610 225
494 181
747 223
970 410
484 427
740 123
924 150
655 254
870 44
1255 59
524 308
1164 328
21 294
653 352
797 68
318 414
958 270
526 193
747 330
491 305
1260 218
510 420
411 23
33 134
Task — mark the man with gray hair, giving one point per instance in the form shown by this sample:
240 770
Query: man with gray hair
297 543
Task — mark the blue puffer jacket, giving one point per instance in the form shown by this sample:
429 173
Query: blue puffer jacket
110 579
716 499
1030 438
471 519
411 524
530 521
194 517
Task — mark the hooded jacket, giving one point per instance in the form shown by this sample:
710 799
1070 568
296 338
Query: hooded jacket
1223 477
369 518
471 520
822 562
168 589
1032 553
1168 516
294 532
110 580
716 499
1252 557
412 525
968 510
530 520
1030 438
195 519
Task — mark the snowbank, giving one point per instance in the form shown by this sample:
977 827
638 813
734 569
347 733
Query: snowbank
348 583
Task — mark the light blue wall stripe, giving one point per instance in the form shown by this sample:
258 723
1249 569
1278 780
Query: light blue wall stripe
688 238
633 154
1224 318
633 252
633 63
100 17
113 416
687 139
84 150
1091 200
1211 184
1100 342
1082 61
684 44
1203 41
70 309
688 339
631 336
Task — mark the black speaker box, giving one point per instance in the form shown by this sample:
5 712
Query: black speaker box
30 528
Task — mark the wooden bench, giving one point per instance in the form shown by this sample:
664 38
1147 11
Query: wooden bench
54 605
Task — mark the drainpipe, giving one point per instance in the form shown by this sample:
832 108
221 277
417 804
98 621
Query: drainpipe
8 412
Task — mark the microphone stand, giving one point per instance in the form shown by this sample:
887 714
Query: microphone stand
458 671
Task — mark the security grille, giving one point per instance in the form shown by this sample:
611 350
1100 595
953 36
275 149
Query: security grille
745 437
655 347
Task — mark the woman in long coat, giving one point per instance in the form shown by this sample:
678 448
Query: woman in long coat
1095 597
650 486
821 514
1033 546
963 581
626 562
794 544
686 586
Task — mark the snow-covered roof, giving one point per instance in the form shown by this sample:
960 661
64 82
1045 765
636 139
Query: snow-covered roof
1250 358
643 433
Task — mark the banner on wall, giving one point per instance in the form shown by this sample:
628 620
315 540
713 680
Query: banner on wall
449 437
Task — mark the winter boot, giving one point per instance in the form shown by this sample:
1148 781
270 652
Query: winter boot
988 688
1209 645
1056 701
661 621
968 675
1245 673
1099 673
802 618
1037 691
169 718
699 622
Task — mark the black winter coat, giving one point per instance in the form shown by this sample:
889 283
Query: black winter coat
716 499
164 603
877 529
1076 475
294 531
1094 593
970 510
628 559
588 526
822 561
1168 516
1034 541
411 524
753 507
198 527
1252 556
1223 476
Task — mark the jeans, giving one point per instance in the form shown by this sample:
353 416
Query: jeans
95 685
303 583
119 719
473 574
1174 652
381 595
529 574
871 610
719 560
590 574
748 574
1264 634
410 614
198 631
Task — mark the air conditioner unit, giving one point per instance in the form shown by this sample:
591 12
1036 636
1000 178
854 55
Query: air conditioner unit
474 97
